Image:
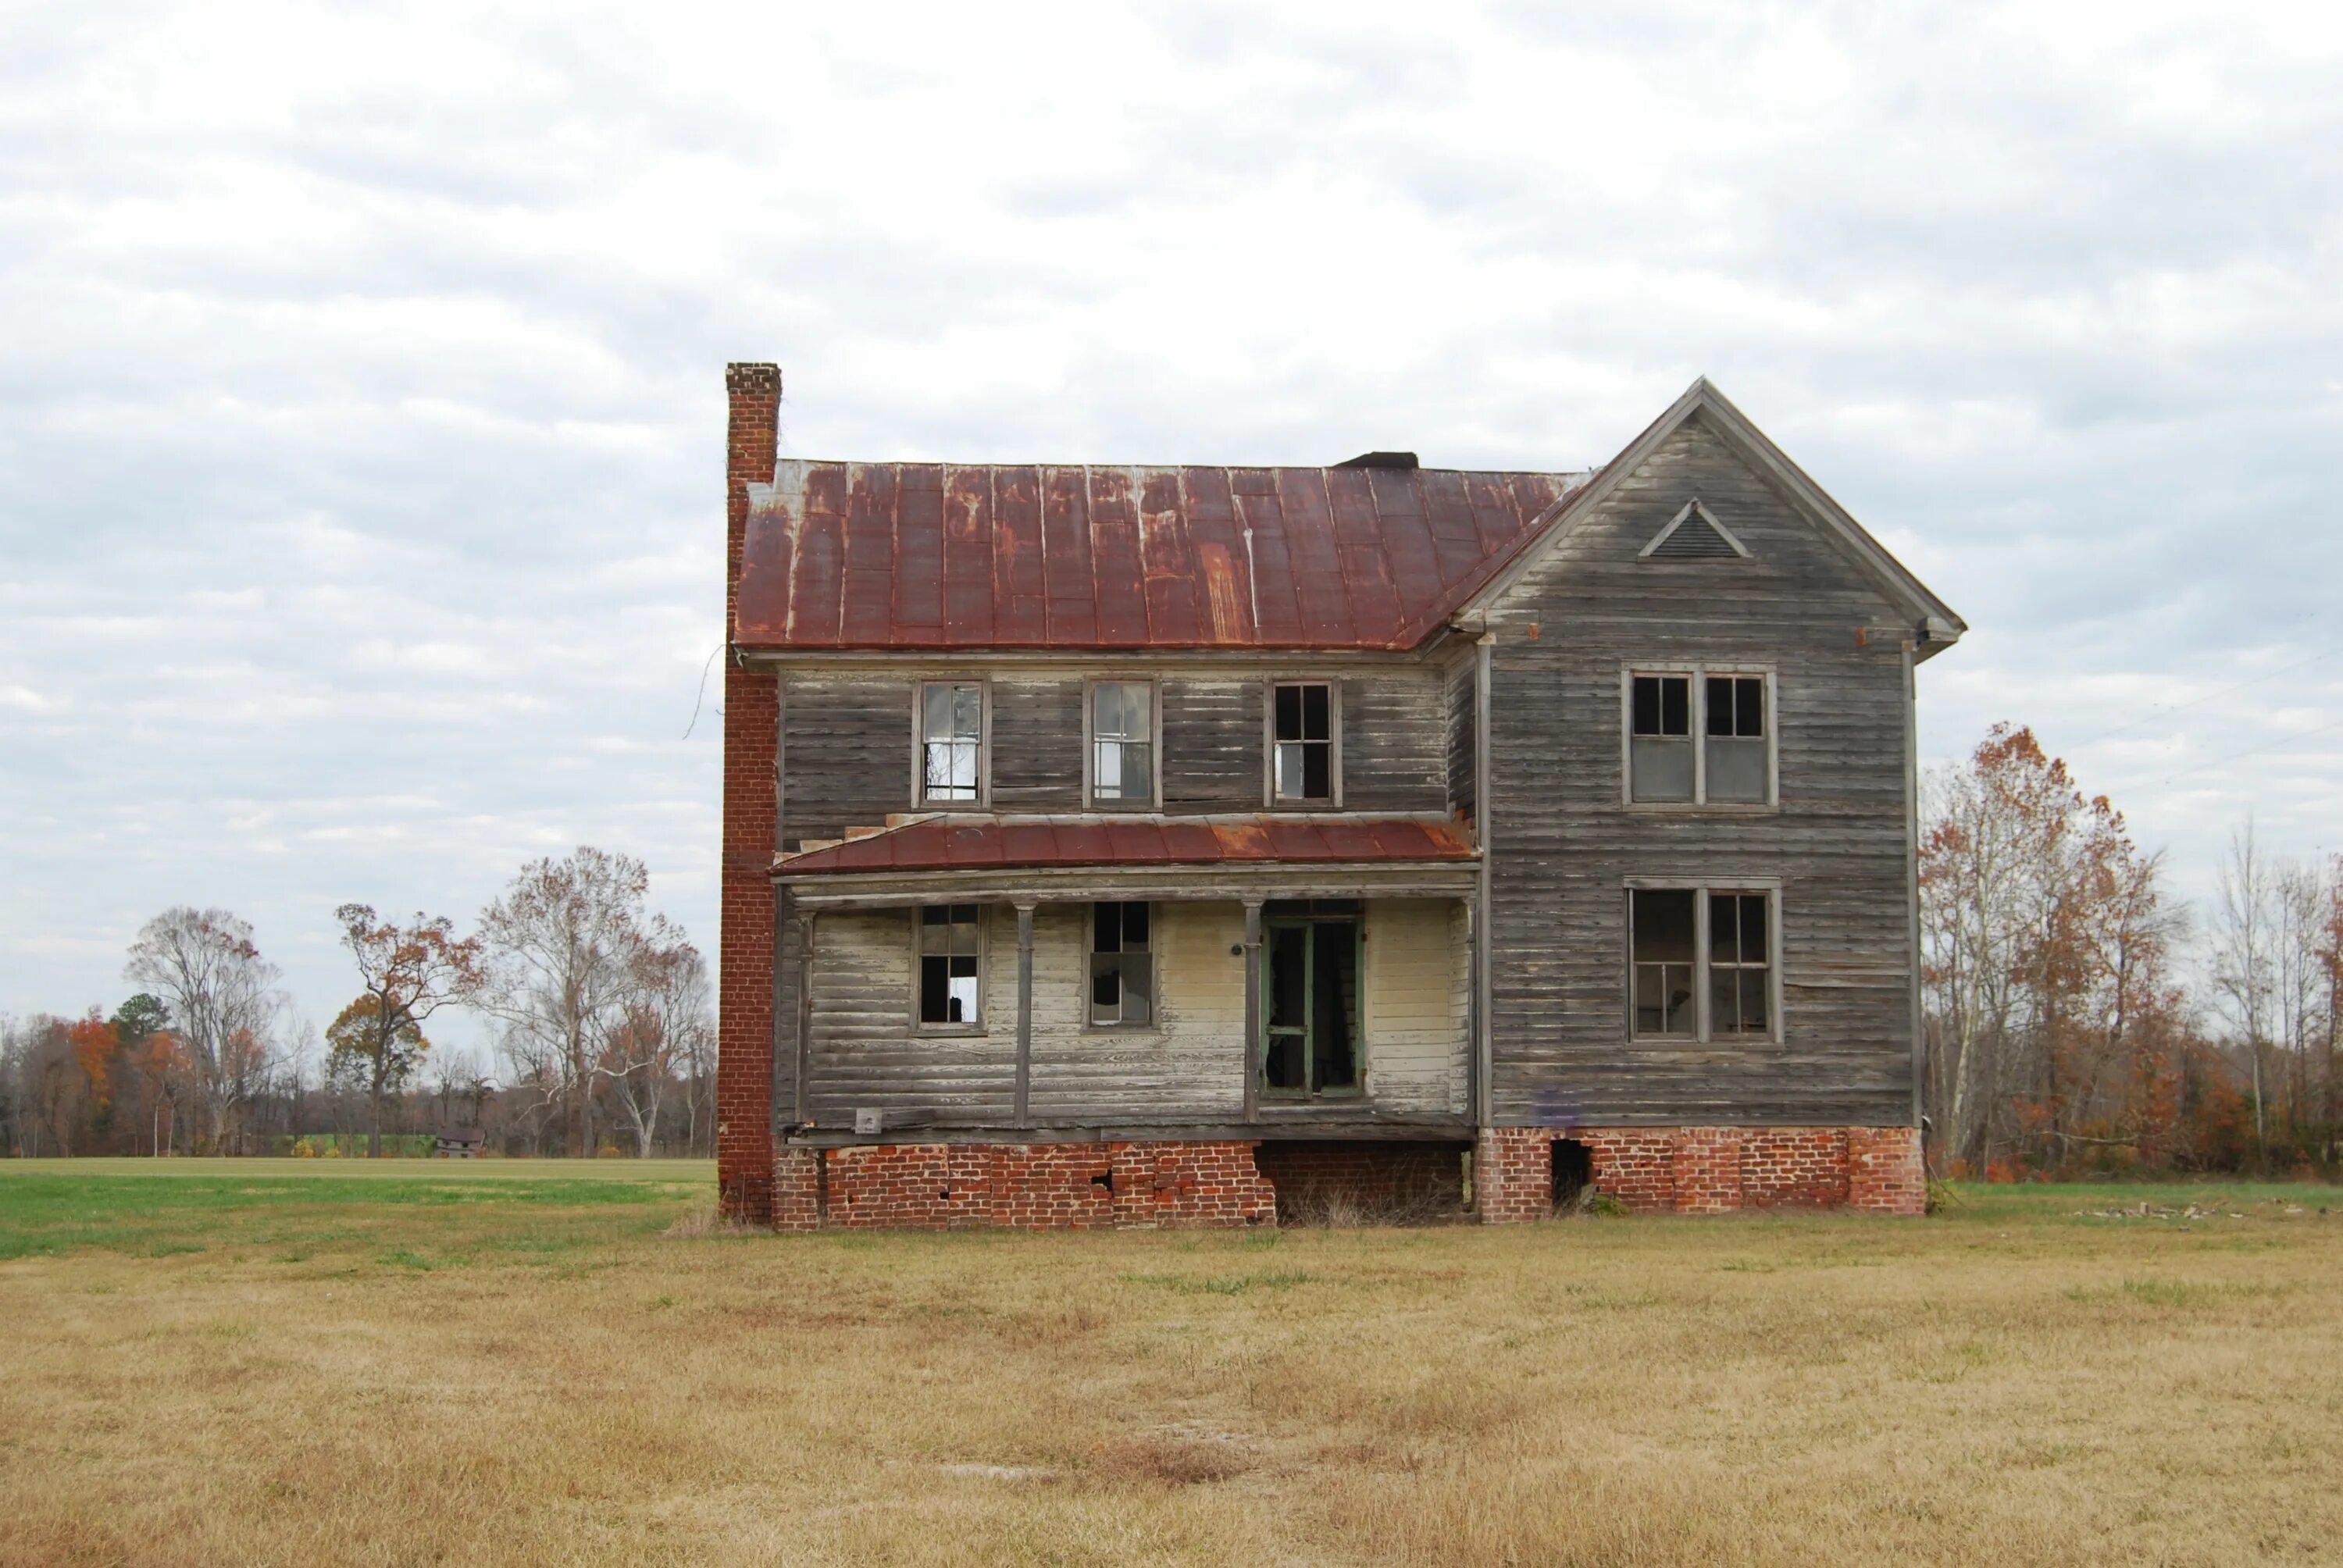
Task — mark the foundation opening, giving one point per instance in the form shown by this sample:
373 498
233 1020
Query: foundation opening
1364 1182
1573 1174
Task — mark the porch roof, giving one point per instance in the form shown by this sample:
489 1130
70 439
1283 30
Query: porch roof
1003 843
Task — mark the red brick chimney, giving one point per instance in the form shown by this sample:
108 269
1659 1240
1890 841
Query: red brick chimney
744 1030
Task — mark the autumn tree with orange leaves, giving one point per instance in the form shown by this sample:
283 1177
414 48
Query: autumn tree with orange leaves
408 972
2053 1018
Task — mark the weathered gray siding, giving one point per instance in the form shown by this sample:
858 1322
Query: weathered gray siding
1212 758
846 751
1395 741
1565 845
1037 744
1461 696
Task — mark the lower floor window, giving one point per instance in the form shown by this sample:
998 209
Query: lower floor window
948 942
1690 944
1123 966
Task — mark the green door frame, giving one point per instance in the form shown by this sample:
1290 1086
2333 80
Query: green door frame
1307 1031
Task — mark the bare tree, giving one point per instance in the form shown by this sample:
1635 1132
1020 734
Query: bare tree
665 1025
2245 960
223 995
558 972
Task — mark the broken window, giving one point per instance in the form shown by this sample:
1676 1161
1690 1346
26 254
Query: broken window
1687 942
1735 739
1664 946
951 743
1739 966
1728 714
1303 763
1310 1023
1123 966
950 942
1122 743
1660 762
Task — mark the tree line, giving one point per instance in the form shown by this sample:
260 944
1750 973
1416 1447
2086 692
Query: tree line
600 1009
2079 1018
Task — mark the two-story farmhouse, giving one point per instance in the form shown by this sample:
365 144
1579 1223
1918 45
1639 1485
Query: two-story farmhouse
1120 845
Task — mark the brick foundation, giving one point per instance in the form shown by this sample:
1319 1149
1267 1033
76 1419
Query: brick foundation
1707 1170
1019 1186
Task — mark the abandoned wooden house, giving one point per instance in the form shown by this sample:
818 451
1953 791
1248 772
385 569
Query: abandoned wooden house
1151 846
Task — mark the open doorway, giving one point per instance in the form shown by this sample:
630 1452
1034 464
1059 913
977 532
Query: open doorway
1310 955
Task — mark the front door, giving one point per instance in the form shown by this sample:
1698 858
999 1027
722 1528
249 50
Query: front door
1309 1020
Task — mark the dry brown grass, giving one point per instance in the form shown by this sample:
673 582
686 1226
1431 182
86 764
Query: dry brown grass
501 1381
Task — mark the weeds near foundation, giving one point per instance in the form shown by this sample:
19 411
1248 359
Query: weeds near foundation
702 1221
1333 1208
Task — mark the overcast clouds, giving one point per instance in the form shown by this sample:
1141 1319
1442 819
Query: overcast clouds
361 410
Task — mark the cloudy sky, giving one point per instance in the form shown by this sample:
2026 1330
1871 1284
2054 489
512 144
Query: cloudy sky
361 410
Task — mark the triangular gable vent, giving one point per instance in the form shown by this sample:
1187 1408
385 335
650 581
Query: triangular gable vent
1694 535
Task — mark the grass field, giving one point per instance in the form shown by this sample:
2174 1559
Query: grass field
260 1361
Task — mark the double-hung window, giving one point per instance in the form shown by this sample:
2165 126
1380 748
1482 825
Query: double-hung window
1699 738
951 943
1122 743
1304 755
1701 962
1123 967
951 743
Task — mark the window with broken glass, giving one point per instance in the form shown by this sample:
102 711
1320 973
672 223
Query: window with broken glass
951 961
1122 743
1123 967
1695 738
1685 944
1303 756
951 743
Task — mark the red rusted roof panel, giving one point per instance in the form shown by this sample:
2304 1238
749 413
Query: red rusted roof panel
921 557
937 844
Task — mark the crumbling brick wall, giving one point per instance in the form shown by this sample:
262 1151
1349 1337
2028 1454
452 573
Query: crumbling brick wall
1707 1170
1020 1186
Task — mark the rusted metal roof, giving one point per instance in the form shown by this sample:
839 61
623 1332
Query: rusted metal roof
946 845
927 555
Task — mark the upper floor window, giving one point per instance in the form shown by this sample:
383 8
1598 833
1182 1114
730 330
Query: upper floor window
1697 738
1122 743
1123 966
951 743
1303 756
1702 963
951 955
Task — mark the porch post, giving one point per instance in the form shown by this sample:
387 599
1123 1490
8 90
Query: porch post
1252 1009
1024 1014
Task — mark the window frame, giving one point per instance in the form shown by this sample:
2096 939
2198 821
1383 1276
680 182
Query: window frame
983 1024
984 801
1271 800
1154 1024
1699 673
1701 889
1091 802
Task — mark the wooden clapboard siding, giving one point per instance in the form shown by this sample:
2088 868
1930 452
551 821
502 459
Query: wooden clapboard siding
864 1053
1395 741
1565 845
1037 744
1189 1067
1212 758
1415 1037
846 753
1459 695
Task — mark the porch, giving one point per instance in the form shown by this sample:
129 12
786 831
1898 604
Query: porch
1137 1000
